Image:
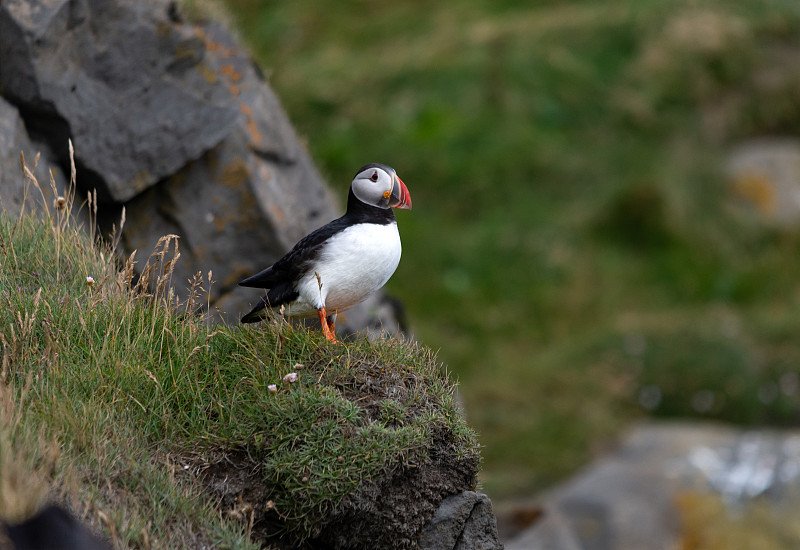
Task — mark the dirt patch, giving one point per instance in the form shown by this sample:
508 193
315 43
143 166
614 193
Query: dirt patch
236 482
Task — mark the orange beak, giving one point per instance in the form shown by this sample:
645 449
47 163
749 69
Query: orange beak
401 198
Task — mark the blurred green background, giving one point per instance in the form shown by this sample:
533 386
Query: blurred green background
575 252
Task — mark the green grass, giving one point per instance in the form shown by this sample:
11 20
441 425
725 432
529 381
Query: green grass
125 404
565 161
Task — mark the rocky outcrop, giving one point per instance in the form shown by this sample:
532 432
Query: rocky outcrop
172 121
131 85
463 522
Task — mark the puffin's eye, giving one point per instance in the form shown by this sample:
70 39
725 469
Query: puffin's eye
374 176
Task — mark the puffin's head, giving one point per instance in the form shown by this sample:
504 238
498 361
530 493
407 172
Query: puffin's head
378 185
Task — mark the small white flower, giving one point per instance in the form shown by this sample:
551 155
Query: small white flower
291 377
272 387
90 281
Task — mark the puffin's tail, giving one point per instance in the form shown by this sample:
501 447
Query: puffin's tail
258 313
262 279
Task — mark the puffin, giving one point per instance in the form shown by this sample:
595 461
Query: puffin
342 263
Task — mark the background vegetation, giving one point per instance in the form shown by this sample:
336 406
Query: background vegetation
572 250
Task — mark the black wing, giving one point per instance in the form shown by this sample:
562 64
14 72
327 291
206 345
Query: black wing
289 269
277 296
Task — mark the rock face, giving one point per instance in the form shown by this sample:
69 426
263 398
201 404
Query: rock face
463 522
118 96
14 140
170 120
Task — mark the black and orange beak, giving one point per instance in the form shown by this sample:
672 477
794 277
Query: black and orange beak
400 195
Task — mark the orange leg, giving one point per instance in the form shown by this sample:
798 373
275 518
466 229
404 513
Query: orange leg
327 329
331 318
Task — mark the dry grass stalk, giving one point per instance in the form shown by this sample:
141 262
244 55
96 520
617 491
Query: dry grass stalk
155 260
208 294
166 273
118 236
195 291
91 200
125 276
6 361
30 178
26 323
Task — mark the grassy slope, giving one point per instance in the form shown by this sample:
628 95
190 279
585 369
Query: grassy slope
113 395
571 249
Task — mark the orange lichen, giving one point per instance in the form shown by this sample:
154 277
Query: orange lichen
252 128
235 173
758 189
208 74
230 71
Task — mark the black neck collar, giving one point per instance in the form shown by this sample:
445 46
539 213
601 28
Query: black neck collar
361 212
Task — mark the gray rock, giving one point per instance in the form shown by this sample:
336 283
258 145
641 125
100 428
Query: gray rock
14 190
377 316
552 532
13 139
627 501
131 86
463 522
236 212
621 502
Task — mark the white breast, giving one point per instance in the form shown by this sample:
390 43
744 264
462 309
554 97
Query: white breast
353 264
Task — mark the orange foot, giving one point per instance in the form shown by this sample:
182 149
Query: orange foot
328 328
